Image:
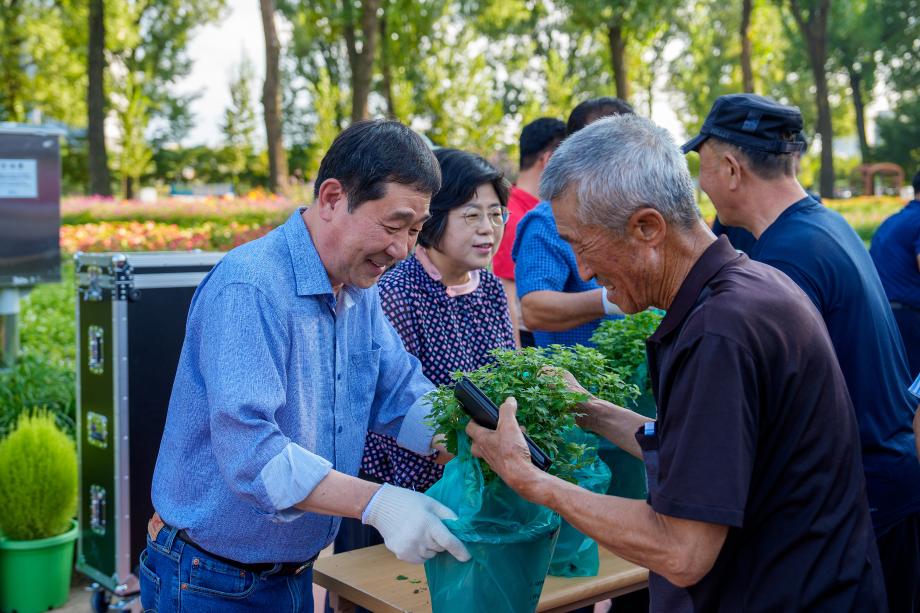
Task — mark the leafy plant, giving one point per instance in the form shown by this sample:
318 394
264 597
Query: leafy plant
622 341
38 479
34 382
544 401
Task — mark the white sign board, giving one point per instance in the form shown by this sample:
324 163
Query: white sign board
18 178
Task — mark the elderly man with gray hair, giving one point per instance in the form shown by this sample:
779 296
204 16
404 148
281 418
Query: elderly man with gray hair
753 503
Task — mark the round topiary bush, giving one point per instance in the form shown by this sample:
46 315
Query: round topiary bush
38 479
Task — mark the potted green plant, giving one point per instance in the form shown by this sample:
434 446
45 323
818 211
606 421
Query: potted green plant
511 540
622 342
577 555
38 494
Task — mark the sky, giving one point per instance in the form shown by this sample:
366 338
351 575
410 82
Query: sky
216 51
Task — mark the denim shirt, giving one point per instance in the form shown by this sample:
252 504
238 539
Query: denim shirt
277 384
544 261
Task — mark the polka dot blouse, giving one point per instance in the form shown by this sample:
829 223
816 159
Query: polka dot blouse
446 333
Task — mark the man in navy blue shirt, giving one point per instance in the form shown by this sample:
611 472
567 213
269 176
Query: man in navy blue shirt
896 253
741 239
747 148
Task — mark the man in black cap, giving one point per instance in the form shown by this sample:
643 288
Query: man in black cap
748 150
741 239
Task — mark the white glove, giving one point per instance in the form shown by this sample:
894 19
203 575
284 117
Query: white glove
411 526
609 307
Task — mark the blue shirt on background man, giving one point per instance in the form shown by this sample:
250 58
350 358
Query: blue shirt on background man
816 247
278 382
544 261
895 249
896 253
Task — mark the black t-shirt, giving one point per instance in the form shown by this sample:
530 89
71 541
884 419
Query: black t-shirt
756 431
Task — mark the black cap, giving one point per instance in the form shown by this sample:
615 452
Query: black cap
751 122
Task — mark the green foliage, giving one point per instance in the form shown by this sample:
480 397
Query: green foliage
38 479
544 402
899 135
622 341
43 376
133 158
46 321
239 125
35 382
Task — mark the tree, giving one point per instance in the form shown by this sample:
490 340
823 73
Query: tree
12 49
153 43
855 35
747 72
627 25
134 158
361 41
811 17
99 179
239 125
271 100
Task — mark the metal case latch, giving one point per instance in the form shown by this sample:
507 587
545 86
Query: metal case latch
97 509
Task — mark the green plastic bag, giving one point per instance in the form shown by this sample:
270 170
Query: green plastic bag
510 540
628 480
576 555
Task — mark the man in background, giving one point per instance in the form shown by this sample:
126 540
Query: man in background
748 150
556 303
538 140
896 253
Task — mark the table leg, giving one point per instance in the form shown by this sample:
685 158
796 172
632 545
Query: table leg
340 605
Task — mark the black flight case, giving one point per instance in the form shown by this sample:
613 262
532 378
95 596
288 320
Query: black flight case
131 314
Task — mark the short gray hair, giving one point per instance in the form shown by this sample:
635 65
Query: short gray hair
620 165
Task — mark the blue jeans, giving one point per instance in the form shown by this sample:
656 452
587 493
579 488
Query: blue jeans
176 576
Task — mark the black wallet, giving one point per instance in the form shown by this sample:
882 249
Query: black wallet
484 412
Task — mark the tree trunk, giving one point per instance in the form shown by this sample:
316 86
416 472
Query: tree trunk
814 33
618 60
271 101
859 105
361 62
747 72
11 54
386 70
99 179
817 51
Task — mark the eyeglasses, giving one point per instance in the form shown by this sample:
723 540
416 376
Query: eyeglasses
497 217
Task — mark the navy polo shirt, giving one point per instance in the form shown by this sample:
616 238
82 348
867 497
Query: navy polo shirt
741 239
824 256
895 248
756 432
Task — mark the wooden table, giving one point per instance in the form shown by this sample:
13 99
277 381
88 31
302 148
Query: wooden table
368 578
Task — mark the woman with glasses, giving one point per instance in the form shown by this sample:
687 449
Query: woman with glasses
449 310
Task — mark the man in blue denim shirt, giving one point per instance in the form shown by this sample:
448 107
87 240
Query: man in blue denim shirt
556 303
288 361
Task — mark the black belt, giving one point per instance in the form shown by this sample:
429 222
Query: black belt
901 305
287 568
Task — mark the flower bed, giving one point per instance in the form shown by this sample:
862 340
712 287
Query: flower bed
155 236
256 209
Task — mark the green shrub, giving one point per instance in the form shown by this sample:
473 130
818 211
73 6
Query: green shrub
36 382
47 326
38 479
622 341
544 401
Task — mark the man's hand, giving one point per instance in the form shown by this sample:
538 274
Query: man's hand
504 449
411 526
585 417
